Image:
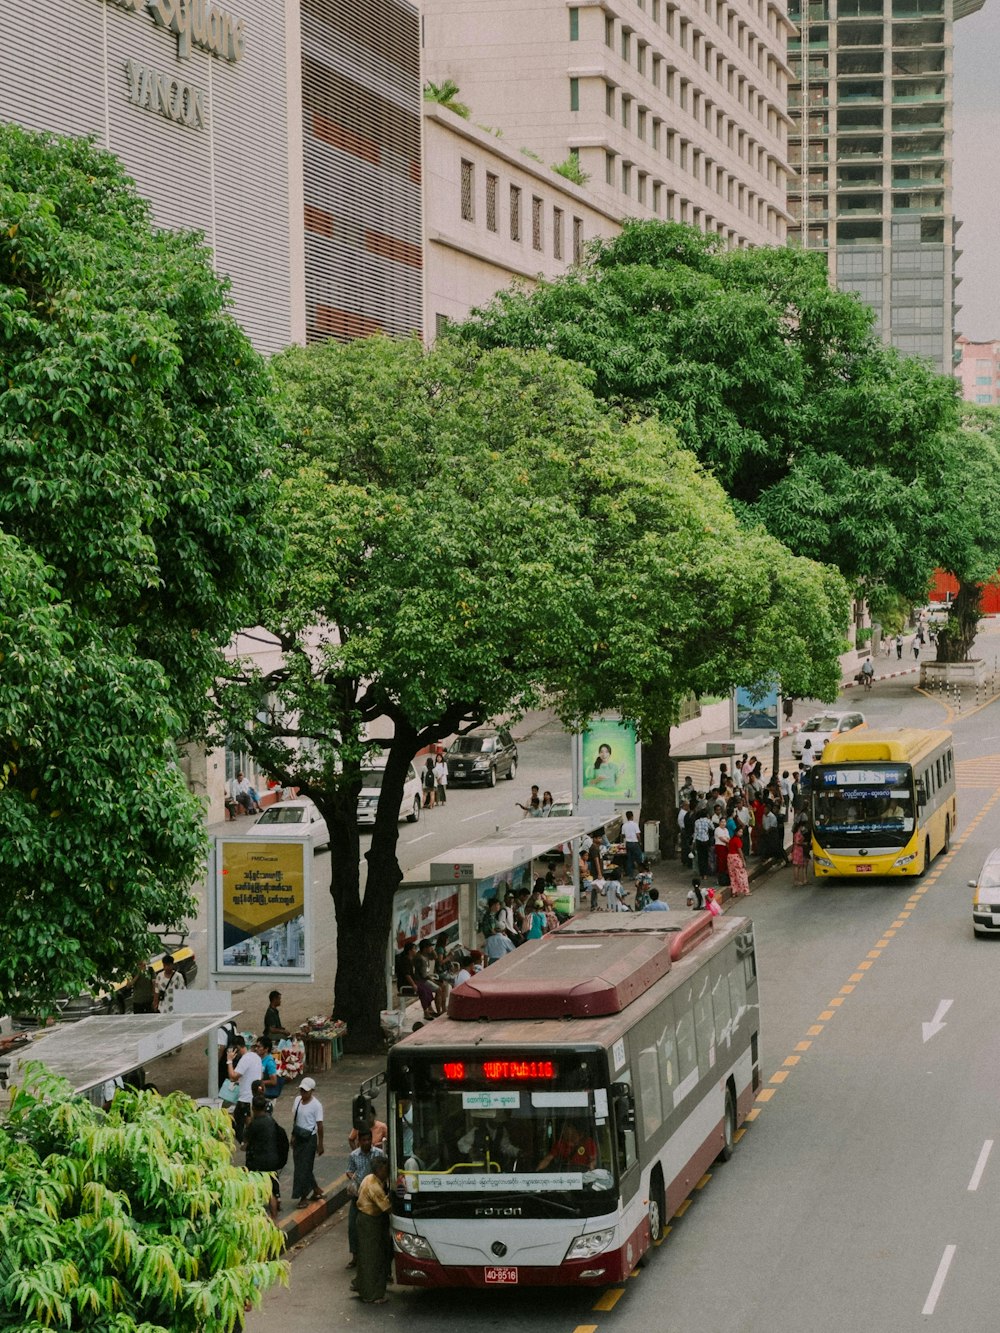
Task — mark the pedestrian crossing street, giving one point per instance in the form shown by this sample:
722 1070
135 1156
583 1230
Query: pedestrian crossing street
982 773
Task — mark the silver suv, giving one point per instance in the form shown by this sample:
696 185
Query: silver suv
482 756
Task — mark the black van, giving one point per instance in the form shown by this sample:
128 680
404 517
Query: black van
482 756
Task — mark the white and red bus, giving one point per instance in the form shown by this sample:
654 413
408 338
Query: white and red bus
544 1131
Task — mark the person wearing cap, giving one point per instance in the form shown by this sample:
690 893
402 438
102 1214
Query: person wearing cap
307 1142
168 983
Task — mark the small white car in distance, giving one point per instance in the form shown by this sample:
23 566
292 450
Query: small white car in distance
821 728
371 787
296 819
986 896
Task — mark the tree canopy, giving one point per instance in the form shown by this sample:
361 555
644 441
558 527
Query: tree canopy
136 431
773 378
134 1220
467 532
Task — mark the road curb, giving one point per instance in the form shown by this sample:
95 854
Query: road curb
298 1224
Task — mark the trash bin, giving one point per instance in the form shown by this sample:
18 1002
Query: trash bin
651 838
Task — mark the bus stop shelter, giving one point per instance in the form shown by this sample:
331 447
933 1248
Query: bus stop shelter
94 1050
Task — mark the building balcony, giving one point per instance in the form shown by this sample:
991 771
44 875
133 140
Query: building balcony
849 214
916 99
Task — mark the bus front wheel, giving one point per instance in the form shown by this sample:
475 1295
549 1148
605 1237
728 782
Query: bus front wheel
729 1128
927 857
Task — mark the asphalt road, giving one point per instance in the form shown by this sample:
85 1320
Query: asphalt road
865 1190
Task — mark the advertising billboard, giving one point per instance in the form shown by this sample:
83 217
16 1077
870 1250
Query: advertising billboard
262 908
756 711
607 764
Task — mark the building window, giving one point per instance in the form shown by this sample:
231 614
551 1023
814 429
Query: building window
609 30
440 324
626 111
536 223
609 167
574 25
656 11
574 94
656 134
984 398
626 45
626 178
515 212
983 379
492 185
640 57
557 233
641 187
609 99
578 240
640 123
657 196
468 191
657 68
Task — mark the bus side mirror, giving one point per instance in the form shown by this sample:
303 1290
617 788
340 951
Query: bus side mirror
621 1095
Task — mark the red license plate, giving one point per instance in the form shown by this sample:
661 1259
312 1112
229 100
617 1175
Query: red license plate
500 1275
863 870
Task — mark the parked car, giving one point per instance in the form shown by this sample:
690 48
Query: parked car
295 819
371 788
482 756
118 999
823 727
986 896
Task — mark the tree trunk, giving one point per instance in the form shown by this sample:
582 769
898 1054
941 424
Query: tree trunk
659 800
957 635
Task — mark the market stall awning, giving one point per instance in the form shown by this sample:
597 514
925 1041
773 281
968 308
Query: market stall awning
90 1052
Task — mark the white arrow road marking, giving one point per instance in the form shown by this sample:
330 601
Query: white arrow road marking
939 1277
977 1175
937 1022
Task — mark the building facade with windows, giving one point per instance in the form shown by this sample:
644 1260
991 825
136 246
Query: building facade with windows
977 369
493 217
672 111
872 101
198 103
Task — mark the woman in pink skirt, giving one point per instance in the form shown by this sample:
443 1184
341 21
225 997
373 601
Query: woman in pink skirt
800 855
737 867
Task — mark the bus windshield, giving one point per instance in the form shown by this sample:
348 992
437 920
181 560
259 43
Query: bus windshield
869 803
500 1127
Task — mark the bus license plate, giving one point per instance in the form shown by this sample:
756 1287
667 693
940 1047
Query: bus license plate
863 870
500 1275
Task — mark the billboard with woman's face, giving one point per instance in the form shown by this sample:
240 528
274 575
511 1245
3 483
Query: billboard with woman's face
607 762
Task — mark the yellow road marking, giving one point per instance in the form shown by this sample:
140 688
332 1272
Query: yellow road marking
874 953
752 1114
827 1014
704 1181
863 967
791 1060
609 1299
815 1030
898 924
884 944
803 1045
846 990
585 1328
779 1077
683 1208
666 1233
764 1095
904 916
855 977
740 1132
836 1002
887 934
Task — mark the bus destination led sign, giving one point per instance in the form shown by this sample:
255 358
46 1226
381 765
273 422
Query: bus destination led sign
500 1071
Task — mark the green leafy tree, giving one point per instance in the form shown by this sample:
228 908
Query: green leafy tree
134 1221
469 532
774 379
964 526
136 431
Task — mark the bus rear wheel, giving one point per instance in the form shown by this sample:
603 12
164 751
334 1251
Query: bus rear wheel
729 1128
657 1208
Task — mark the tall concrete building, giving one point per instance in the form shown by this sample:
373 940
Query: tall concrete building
977 368
872 102
672 110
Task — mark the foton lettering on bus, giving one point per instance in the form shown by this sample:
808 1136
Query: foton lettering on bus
165 95
196 23
202 24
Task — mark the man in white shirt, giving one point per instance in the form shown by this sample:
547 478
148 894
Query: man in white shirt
307 1142
633 847
243 1067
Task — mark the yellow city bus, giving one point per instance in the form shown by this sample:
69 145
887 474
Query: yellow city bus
882 803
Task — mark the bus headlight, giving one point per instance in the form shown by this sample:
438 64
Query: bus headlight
594 1242
415 1246
904 860
823 861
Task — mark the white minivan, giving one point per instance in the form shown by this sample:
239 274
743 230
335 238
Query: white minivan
371 787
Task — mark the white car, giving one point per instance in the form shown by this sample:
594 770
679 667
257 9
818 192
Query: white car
292 819
986 899
811 740
371 787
